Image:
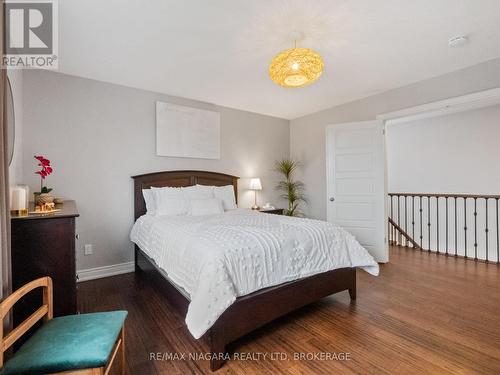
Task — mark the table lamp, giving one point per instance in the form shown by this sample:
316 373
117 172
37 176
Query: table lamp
255 185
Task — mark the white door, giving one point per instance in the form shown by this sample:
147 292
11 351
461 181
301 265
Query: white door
356 183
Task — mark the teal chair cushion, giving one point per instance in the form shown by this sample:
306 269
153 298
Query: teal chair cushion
68 343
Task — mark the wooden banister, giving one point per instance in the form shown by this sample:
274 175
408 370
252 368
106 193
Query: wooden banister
404 234
441 195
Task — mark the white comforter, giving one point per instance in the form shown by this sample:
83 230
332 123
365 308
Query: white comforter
220 257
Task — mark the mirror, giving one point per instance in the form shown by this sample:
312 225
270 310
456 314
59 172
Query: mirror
11 126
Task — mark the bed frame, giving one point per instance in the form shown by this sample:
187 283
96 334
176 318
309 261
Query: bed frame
248 312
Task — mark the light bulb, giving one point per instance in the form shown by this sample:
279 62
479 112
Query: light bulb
295 66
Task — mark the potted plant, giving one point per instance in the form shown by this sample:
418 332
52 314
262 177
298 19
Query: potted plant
292 191
43 195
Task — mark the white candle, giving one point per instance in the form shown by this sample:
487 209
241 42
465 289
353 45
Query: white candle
17 198
26 192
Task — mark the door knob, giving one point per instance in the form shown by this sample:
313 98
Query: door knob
332 199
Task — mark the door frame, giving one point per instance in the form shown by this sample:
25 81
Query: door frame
329 183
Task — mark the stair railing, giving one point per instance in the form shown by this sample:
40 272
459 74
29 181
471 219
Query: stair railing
464 225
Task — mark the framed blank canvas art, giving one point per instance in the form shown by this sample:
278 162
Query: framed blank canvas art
187 132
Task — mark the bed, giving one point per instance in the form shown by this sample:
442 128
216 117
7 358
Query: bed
234 240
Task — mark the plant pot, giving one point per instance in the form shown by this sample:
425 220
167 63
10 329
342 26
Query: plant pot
43 198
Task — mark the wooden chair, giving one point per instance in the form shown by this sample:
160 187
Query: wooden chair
85 344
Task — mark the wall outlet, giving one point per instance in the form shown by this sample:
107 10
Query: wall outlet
88 249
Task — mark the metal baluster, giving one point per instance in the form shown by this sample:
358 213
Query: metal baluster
413 217
406 220
429 222
475 228
394 232
456 228
389 223
421 237
389 230
498 236
399 220
437 224
486 230
391 233
465 226
446 205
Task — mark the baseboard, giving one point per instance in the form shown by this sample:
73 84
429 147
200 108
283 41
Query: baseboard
105 271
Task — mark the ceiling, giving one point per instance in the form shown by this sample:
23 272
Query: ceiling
218 51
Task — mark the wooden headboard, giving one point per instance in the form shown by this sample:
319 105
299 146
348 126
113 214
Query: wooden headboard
177 179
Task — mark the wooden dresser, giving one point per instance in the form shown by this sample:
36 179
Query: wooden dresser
44 245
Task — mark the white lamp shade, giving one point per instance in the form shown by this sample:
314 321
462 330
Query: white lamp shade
255 184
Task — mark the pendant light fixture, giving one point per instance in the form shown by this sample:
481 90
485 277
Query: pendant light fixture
296 67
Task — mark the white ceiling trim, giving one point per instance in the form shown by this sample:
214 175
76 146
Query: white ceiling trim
462 103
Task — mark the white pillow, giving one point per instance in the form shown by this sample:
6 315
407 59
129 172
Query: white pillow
200 207
226 195
149 199
198 192
170 201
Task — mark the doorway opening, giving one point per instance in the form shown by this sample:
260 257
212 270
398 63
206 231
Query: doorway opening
443 181
423 177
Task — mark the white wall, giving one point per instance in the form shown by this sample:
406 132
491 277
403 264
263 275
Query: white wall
455 153
307 134
97 135
16 165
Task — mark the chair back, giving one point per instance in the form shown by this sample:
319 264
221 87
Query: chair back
45 312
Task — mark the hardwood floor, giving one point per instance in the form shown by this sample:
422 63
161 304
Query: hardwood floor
424 314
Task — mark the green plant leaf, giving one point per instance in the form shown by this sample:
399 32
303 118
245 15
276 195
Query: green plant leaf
291 190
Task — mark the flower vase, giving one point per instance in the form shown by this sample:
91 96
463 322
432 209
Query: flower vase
42 198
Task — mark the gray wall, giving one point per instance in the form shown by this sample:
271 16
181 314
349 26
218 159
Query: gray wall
307 134
98 135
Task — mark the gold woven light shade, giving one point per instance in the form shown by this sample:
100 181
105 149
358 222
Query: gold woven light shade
296 67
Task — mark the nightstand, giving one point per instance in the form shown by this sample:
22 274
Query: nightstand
274 211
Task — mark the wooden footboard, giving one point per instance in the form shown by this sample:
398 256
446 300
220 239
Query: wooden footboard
254 310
